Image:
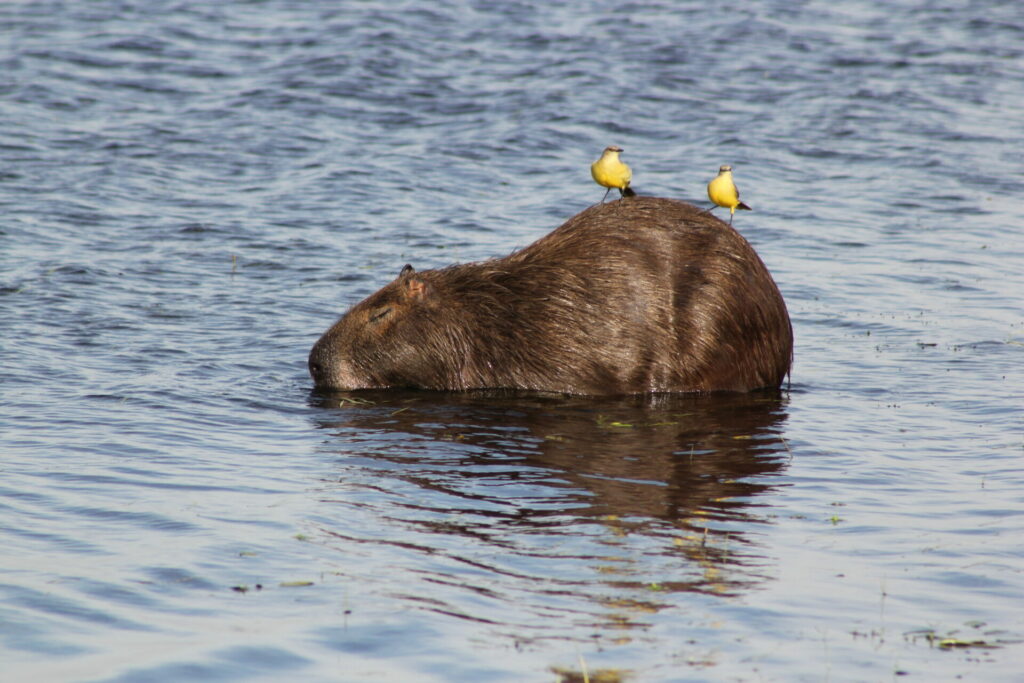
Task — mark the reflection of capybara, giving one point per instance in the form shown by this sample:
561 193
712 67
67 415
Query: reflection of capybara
639 295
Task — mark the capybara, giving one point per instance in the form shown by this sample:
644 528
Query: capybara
638 295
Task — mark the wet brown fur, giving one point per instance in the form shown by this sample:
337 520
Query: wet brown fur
638 295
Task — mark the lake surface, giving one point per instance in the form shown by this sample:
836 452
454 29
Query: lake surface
192 192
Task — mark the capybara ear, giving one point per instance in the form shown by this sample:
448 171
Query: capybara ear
409 285
415 288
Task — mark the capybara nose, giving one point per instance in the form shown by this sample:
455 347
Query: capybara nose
316 370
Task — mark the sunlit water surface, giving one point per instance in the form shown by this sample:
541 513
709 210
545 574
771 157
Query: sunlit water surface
191 192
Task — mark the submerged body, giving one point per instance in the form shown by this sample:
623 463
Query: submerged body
722 191
650 295
611 172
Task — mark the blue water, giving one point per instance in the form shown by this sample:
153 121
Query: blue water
190 193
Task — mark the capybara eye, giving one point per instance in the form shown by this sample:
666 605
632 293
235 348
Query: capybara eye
379 314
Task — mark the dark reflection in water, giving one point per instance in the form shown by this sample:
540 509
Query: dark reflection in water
548 477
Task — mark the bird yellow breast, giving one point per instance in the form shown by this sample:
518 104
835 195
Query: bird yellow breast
722 191
608 171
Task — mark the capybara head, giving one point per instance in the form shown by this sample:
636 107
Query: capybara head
634 296
387 340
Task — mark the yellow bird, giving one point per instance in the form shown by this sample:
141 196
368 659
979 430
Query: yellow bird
722 191
609 172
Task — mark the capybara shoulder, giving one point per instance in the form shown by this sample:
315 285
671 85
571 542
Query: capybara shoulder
634 296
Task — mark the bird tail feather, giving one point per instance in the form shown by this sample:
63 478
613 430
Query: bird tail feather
743 206
628 192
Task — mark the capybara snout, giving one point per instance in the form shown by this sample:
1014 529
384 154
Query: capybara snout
640 295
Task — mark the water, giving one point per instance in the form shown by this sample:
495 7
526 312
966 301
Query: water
192 192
